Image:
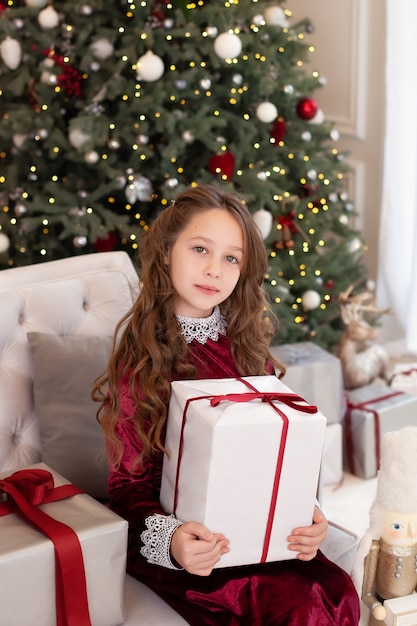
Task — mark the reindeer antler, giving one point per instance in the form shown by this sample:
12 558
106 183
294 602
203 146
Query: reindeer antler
353 307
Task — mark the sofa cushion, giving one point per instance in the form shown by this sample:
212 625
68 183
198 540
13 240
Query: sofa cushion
72 441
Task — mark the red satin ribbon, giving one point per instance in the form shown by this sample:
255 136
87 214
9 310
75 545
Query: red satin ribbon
377 434
289 399
405 373
25 490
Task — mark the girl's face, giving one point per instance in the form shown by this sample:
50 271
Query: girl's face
205 262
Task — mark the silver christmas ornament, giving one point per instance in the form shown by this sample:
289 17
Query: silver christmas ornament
86 10
91 157
237 79
171 183
188 136
180 83
80 241
211 31
114 144
20 209
288 89
205 83
306 135
138 188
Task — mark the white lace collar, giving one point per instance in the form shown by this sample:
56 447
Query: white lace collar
203 328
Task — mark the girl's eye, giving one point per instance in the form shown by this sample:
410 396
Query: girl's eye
199 249
396 526
232 259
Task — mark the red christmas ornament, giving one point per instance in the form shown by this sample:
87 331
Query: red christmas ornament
106 244
307 108
70 80
278 130
3 7
222 163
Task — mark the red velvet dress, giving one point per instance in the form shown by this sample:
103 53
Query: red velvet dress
290 593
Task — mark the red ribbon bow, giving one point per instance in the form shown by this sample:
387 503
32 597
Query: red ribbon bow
25 490
290 399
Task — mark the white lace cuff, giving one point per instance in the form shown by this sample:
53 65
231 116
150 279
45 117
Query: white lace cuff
157 539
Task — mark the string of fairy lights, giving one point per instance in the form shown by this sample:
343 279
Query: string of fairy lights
147 68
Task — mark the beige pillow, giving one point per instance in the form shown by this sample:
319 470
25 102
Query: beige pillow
72 441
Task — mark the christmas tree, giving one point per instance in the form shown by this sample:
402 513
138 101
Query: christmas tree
110 108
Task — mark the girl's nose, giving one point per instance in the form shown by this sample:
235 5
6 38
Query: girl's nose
213 268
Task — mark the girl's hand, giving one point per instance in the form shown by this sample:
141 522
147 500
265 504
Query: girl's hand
196 549
307 539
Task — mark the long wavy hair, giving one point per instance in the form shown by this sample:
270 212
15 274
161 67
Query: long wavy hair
148 347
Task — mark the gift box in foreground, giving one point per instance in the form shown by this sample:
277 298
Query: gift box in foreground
28 562
372 411
245 467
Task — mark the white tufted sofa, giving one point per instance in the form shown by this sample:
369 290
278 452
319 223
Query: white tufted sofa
79 296
83 295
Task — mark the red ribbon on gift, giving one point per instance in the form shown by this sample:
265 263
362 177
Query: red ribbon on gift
289 399
377 433
25 490
404 373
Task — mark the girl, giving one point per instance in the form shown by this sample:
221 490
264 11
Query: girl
202 313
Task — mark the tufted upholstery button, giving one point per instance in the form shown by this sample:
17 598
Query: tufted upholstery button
21 318
85 306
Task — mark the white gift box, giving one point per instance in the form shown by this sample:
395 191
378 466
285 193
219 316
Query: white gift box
332 462
372 411
401 611
314 374
27 561
245 469
404 377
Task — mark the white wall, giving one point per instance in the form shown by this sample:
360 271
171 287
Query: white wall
349 39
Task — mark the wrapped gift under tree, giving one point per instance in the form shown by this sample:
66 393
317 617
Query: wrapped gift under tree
373 410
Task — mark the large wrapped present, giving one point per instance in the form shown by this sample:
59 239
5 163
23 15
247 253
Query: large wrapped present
62 553
316 375
372 411
244 459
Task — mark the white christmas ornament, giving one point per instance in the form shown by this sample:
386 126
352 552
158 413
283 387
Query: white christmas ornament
102 48
4 243
266 112
275 16
263 220
11 52
310 300
19 139
149 67
36 4
318 118
77 138
227 46
92 157
48 18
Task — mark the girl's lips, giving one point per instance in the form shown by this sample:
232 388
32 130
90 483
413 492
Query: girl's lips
207 289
